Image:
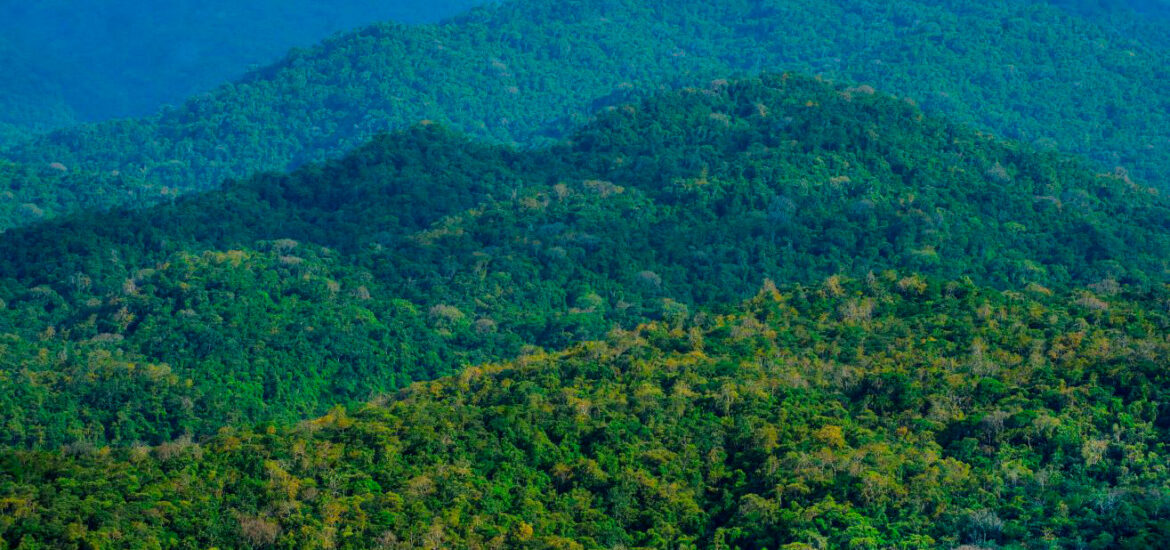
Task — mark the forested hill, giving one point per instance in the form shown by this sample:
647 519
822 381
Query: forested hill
282 295
853 414
529 69
1150 12
71 61
1143 21
27 100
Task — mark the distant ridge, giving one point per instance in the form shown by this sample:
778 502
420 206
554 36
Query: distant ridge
71 61
529 70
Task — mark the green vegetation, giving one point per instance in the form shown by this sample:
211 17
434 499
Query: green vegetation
423 252
528 70
35 193
70 61
1145 20
767 313
898 411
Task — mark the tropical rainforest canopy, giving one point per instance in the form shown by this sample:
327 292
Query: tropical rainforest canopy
893 412
424 251
605 284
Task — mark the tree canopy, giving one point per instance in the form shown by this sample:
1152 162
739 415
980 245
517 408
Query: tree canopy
894 411
527 71
283 295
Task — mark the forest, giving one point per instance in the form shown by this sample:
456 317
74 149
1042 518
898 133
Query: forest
888 412
530 71
750 368
424 252
600 274
67 62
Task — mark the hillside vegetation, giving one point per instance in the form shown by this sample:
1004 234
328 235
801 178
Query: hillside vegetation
71 61
527 71
896 412
283 295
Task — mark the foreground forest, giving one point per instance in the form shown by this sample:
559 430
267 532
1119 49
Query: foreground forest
528 71
281 296
891 412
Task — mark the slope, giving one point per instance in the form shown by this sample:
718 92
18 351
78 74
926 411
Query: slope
29 100
530 69
894 412
283 294
96 60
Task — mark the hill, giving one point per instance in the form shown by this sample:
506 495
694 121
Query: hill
29 103
282 295
67 62
894 412
528 70
1144 16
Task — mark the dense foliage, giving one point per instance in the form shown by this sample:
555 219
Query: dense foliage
71 61
773 313
1143 19
282 295
894 412
528 69
32 193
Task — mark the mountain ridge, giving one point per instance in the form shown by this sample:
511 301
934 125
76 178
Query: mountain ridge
135 58
427 250
491 76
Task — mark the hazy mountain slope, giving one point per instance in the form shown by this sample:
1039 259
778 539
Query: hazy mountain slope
902 413
1143 16
29 101
532 68
94 60
423 251
1145 23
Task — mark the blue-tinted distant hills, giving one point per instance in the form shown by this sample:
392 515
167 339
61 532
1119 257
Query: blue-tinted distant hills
1144 21
1079 81
1158 8
69 61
